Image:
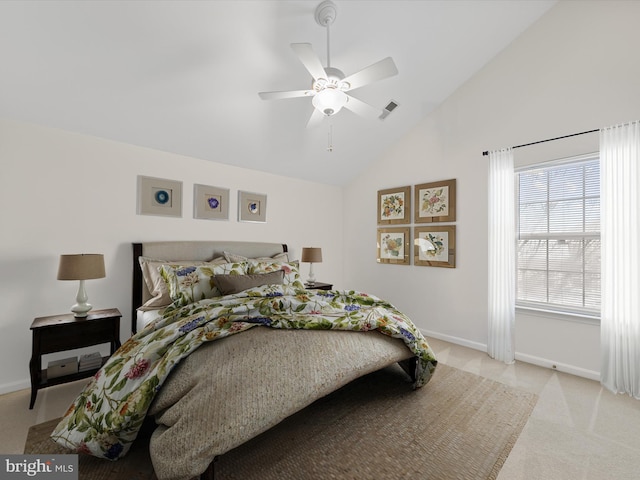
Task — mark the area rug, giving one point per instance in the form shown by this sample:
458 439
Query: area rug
459 426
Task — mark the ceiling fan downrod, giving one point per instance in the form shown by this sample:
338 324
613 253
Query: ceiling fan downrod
325 16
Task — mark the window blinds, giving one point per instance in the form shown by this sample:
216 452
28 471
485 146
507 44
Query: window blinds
558 228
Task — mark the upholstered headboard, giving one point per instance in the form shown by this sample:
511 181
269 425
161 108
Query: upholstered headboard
189 250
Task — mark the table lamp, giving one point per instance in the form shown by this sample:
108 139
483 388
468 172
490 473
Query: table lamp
84 266
311 255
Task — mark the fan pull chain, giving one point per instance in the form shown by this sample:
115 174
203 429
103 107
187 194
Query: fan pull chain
330 145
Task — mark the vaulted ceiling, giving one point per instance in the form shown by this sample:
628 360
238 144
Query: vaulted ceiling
184 76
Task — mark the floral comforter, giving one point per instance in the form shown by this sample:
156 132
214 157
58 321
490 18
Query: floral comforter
105 418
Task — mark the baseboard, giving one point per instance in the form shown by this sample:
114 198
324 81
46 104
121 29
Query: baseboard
14 386
456 340
522 357
560 367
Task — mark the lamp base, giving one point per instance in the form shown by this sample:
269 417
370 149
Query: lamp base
311 281
81 310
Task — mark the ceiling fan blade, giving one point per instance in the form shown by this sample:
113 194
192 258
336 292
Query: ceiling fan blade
315 119
379 70
361 108
309 59
289 94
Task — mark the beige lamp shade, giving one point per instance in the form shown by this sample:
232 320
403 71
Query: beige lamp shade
83 266
311 255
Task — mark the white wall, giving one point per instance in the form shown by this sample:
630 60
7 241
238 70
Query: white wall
576 69
68 193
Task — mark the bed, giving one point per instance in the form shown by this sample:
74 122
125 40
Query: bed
278 347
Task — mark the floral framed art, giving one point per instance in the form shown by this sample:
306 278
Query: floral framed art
393 245
435 202
252 207
394 206
435 246
159 196
210 203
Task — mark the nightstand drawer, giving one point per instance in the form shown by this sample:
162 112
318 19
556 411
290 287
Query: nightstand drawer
84 334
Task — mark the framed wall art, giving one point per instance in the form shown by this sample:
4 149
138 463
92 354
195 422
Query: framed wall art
159 196
252 207
435 202
394 245
435 246
211 203
394 206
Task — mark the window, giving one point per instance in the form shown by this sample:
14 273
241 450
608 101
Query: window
558 229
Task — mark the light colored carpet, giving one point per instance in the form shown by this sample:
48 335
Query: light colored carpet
460 426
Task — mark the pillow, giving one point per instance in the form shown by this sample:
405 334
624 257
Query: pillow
191 283
278 257
291 272
228 284
155 283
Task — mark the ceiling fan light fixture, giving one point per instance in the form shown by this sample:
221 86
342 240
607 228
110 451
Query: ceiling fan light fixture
329 101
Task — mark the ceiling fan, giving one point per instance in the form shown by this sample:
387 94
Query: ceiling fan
328 89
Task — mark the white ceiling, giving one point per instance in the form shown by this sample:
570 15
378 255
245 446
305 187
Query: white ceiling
184 76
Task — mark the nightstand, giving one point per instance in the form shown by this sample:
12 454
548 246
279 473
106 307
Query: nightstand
319 286
58 333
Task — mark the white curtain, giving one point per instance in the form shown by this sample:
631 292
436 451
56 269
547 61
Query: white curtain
502 256
620 271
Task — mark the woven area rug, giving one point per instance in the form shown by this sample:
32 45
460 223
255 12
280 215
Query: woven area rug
459 426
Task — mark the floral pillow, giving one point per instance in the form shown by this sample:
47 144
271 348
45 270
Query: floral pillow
291 272
191 283
155 282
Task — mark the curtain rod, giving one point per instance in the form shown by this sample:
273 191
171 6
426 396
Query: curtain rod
485 153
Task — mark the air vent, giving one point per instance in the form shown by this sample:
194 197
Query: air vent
388 109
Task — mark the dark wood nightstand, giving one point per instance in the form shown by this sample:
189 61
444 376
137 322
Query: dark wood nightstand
58 333
319 286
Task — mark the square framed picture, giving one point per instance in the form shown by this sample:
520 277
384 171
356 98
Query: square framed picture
394 206
435 246
210 203
252 207
393 245
159 196
435 202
